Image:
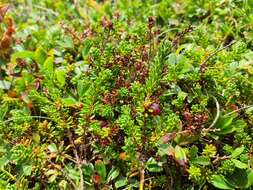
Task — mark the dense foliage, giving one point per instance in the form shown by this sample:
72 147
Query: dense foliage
126 94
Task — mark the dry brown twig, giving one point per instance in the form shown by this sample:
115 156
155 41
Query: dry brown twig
78 161
180 36
217 159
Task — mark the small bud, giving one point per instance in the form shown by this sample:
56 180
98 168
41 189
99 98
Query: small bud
151 21
107 24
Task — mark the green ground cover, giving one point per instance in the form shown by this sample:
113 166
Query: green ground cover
127 94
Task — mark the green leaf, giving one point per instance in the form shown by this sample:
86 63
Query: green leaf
153 166
172 59
3 162
70 101
239 125
220 182
61 76
52 147
63 184
3 149
183 67
67 43
101 170
27 170
86 47
5 85
238 179
36 138
225 125
82 87
23 55
180 155
202 160
51 172
40 55
193 152
224 122
249 110
227 130
121 183
52 178
3 110
237 152
239 164
250 178
48 66
88 169
113 174
73 173
164 149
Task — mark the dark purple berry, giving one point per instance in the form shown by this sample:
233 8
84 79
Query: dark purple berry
154 109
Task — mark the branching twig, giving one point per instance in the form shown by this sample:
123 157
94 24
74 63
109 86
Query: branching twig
242 108
78 161
217 159
215 52
180 36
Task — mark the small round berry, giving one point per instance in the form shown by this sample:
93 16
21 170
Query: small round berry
154 109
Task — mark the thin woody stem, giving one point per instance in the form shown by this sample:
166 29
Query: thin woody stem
142 176
78 161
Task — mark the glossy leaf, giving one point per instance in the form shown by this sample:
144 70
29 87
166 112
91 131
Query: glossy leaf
70 101
250 178
220 182
23 55
61 76
113 174
121 183
239 178
180 155
239 164
237 152
48 66
40 55
153 166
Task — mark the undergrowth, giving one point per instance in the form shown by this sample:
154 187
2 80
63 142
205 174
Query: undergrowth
126 94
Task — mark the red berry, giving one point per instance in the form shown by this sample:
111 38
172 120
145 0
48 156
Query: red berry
96 179
154 109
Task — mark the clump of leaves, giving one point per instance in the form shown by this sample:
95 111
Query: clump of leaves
95 95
